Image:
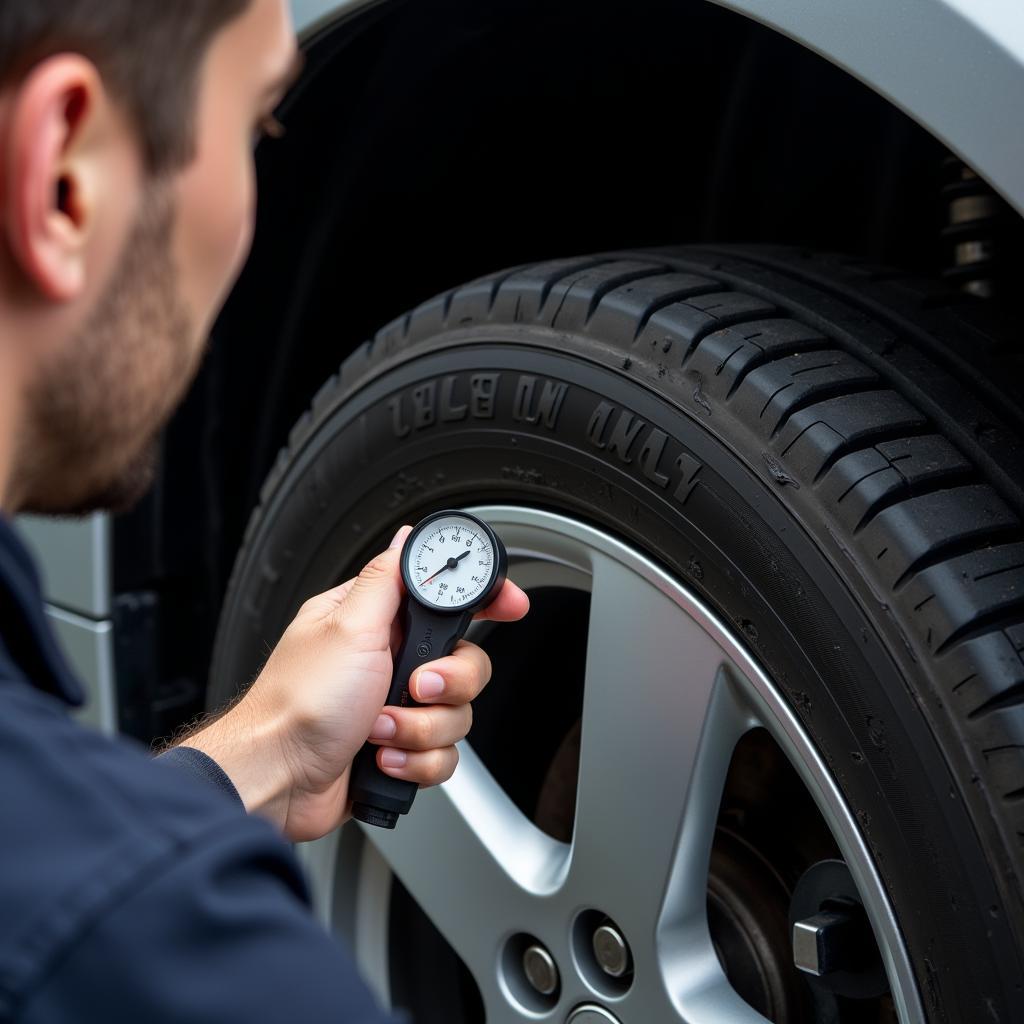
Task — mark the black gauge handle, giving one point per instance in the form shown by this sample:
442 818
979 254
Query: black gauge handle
427 634
379 799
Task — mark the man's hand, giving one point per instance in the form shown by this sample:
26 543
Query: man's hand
288 744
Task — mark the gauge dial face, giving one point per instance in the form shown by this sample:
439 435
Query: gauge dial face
450 562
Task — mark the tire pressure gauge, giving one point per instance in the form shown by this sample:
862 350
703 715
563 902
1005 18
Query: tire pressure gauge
453 565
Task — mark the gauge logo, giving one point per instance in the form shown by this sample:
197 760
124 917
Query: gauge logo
424 647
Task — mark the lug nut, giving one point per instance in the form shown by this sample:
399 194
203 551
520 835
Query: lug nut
611 951
825 942
540 969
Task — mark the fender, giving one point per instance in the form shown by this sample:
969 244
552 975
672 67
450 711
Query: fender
954 66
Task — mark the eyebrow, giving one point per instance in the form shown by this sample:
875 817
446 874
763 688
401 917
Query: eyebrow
286 80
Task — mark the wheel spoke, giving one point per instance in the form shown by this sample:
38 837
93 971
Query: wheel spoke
699 989
473 862
660 722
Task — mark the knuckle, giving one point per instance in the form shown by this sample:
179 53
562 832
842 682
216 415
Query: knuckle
448 764
333 629
423 732
479 663
437 764
486 668
377 567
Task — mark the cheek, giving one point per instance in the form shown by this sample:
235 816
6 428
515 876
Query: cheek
216 208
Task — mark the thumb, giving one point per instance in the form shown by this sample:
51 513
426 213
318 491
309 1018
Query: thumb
375 594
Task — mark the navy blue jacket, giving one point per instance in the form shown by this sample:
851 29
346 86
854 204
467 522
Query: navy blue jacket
134 889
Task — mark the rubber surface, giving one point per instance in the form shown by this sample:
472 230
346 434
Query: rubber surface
883 415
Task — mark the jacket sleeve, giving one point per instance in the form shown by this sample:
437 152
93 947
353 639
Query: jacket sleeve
201 767
217 932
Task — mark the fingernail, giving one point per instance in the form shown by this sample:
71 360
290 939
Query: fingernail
429 684
384 728
397 542
391 758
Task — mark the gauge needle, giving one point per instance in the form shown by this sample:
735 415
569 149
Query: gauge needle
450 564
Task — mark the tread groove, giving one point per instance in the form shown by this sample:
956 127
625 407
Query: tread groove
616 282
964 682
1011 698
581 267
670 300
998 572
856 483
810 426
956 546
581 276
783 352
771 398
735 320
986 622
949 360
811 369
878 436
822 393
496 284
946 481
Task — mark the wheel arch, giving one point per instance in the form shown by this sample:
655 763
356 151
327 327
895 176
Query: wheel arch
881 45
955 66
421 153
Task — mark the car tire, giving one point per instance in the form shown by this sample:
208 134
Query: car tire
829 454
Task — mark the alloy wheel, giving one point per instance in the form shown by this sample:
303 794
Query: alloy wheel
670 690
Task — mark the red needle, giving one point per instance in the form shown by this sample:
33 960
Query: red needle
444 568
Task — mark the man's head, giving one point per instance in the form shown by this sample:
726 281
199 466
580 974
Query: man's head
126 205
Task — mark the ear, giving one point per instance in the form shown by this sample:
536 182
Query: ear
49 198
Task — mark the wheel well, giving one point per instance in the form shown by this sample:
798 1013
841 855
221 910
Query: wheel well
435 141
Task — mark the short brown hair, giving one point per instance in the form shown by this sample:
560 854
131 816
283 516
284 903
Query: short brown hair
148 52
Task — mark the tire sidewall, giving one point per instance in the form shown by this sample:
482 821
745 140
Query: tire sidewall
461 419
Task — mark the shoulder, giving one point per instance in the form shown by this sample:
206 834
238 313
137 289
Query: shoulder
90 820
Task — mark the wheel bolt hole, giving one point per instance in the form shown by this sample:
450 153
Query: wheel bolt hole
602 953
530 973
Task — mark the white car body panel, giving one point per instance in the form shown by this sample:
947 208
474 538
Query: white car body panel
74 560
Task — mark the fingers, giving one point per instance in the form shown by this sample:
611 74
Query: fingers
428 767
455 679
371 586
400 538
422 728
510 605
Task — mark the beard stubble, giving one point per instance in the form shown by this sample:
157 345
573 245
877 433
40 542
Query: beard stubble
96 411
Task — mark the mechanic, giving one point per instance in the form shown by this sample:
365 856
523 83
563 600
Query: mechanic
130 888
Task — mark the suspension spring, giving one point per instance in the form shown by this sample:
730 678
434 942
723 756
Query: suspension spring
972 227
